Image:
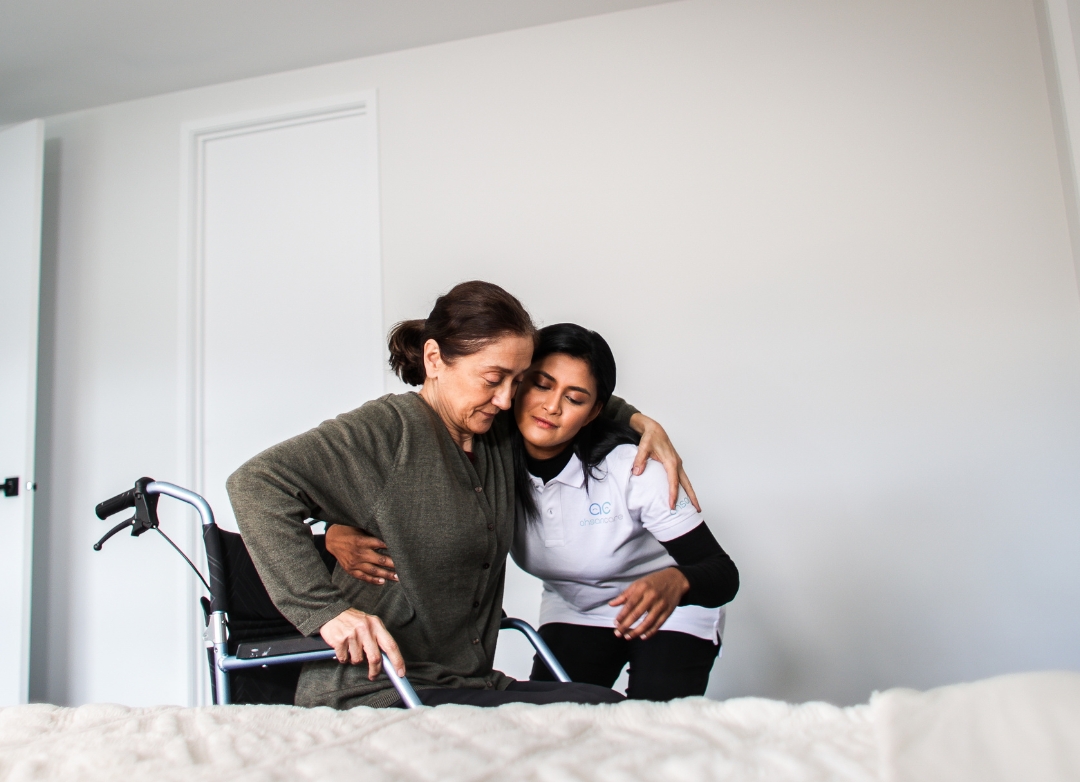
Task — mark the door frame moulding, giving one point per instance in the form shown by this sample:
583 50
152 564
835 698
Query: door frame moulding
194 137
1061 65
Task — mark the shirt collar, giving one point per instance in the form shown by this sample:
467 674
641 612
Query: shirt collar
571 475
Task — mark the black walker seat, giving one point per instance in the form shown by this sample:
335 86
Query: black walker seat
257 629
255 653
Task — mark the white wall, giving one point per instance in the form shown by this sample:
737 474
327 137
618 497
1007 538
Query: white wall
827 242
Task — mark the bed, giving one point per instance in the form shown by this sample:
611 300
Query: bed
1018 727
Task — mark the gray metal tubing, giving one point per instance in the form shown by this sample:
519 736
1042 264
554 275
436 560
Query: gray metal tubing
184 495
217 620
542 649
401 684
222 690
219 639
231 663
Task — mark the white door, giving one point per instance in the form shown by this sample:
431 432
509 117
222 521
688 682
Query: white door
286 324
21 155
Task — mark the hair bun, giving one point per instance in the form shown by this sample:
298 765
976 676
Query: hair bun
406 344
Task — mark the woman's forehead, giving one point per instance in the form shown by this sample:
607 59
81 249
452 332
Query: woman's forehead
510 354
565 369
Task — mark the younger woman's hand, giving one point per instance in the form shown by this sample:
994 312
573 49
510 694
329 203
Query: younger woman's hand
360 554
655 444
357 636
654 596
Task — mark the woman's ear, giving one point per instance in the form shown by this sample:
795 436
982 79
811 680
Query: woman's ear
433 362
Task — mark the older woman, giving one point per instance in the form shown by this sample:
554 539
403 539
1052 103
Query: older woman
427 474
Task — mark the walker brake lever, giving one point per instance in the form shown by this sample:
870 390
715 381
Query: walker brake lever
129 523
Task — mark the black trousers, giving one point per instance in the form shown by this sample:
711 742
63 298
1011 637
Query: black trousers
522 692
668 665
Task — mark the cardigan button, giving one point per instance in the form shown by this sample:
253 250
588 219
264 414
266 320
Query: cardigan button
476 640
479 489
487 565
476 604
491 526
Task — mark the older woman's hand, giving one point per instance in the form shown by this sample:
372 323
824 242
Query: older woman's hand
357 636
360 554
655 597
655 444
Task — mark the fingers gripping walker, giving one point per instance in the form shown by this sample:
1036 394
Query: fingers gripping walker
143 497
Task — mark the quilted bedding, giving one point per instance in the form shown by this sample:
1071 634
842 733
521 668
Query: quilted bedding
1014 727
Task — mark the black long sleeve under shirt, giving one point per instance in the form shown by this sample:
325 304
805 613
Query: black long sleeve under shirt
713 577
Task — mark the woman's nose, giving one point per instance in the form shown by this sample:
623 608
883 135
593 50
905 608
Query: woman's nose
504 396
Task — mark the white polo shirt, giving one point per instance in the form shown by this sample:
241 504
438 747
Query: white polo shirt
588 546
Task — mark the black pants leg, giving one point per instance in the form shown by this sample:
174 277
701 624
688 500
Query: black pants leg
668 665
589 654
521 692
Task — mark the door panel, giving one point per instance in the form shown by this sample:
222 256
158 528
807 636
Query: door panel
21 156
292 298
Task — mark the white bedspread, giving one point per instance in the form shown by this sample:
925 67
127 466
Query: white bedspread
1017 727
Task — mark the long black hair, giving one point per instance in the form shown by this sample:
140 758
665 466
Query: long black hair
596 439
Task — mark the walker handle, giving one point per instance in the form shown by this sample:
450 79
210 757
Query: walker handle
115 504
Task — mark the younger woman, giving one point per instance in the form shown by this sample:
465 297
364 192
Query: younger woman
626 578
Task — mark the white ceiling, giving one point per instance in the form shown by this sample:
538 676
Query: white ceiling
62 55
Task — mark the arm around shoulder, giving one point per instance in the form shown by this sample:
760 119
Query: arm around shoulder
655 444
620 411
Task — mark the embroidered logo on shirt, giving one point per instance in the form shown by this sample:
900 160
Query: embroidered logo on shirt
597 511
600 520
682 503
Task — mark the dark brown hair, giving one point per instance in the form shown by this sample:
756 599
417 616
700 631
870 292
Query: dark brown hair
470 316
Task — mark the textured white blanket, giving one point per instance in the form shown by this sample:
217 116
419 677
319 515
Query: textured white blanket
955 733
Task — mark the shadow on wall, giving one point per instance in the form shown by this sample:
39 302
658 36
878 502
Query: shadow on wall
48 615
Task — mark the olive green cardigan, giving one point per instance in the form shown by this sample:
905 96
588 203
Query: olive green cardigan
391 469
